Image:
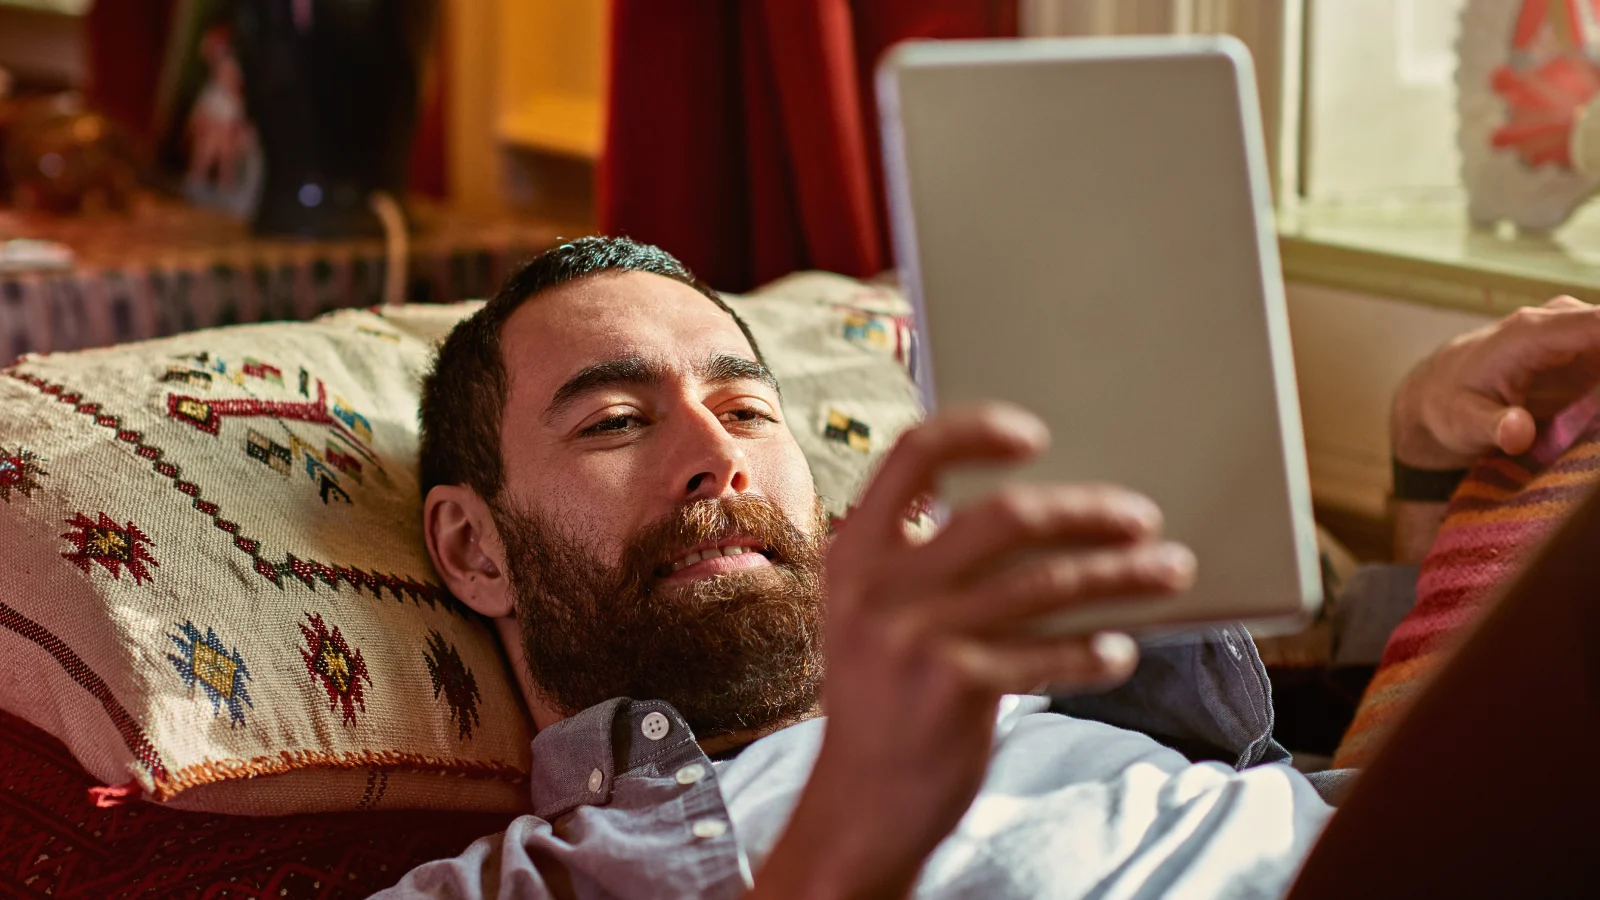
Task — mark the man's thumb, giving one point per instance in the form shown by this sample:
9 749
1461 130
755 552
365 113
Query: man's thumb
1514 430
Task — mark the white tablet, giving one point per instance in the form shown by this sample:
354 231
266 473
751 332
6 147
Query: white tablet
1086 228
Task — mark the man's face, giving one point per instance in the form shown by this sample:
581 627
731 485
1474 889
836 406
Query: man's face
659 520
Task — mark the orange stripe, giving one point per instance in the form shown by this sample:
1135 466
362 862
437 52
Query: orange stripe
1532 512
1581 478
1484 490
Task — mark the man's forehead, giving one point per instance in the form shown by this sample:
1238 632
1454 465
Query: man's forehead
615 316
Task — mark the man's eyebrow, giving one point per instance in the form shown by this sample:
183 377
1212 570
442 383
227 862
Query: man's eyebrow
726 367
633 370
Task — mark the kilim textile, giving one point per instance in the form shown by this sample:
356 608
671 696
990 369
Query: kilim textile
55 843
214 587
1498 515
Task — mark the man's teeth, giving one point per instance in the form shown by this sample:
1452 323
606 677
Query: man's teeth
691 559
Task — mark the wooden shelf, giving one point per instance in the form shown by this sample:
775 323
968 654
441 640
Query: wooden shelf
568 124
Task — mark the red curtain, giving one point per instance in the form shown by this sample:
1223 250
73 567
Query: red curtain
742 135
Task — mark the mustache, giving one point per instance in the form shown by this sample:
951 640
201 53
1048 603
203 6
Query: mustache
715 520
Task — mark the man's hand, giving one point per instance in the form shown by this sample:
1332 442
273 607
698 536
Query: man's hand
1489 389
924 638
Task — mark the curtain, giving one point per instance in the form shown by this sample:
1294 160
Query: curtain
741 135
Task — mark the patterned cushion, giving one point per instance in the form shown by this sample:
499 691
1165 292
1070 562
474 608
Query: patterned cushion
1498 516
215 571
55 844
215 586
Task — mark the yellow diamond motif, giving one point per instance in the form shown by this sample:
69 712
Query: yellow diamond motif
214 669
108 543
194 409
337 667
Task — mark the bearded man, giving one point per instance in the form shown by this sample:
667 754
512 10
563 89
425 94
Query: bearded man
611 480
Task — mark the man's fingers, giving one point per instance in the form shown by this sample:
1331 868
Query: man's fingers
1083 662
989 433
1472 424
1565 302
1029 591
1515 431
1026 516
1555 333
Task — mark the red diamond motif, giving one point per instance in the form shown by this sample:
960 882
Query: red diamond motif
269 570
167 469
229 527
147 451
205 506
106 421
247 545
188 487
128 437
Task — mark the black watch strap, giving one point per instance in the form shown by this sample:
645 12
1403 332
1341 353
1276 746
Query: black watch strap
1425 485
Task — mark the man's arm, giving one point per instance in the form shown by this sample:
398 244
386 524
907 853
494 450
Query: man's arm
1489 389
924 638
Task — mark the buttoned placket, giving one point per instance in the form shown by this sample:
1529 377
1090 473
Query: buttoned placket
581 762
678 756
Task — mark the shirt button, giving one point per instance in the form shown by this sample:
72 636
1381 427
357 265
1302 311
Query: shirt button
709 828
655 726
691 773
596 778
1232 644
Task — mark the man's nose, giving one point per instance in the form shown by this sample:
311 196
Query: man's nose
710 462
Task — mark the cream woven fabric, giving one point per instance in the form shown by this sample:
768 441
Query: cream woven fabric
213 583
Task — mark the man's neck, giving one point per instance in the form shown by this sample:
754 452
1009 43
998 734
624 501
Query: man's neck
727 743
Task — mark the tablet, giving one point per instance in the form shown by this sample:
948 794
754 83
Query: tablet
1085 226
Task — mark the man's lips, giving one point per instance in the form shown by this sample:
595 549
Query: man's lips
716 558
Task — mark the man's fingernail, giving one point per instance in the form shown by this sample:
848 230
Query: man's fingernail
1175 560
1114 649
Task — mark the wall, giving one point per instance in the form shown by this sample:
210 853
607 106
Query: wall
1351 351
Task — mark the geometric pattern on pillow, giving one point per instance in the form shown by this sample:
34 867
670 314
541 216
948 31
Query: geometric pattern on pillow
213 573
1496 519
53 843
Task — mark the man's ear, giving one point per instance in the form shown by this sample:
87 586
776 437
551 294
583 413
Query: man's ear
466 549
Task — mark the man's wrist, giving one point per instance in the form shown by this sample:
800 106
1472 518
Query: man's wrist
1416 485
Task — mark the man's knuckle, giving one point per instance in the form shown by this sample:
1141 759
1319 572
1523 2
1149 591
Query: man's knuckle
1015 509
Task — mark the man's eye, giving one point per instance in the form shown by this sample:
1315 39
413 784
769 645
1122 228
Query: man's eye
748 415
612 425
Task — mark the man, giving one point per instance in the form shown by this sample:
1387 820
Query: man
610 479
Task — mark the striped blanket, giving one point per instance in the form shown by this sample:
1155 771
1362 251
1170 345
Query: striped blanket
1497 516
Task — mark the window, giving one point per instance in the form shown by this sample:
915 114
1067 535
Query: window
1363 102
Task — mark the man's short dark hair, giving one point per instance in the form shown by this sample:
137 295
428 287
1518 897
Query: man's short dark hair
464 396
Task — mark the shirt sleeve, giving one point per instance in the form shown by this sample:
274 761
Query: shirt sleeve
1373 602
499 867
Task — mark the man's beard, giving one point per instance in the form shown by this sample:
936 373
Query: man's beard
736 651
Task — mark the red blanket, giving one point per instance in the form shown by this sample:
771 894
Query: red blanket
54 842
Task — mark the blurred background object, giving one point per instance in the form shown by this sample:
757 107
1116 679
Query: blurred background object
62 158
1527 73
333 89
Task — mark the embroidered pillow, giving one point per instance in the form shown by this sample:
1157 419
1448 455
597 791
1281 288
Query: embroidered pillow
213 572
